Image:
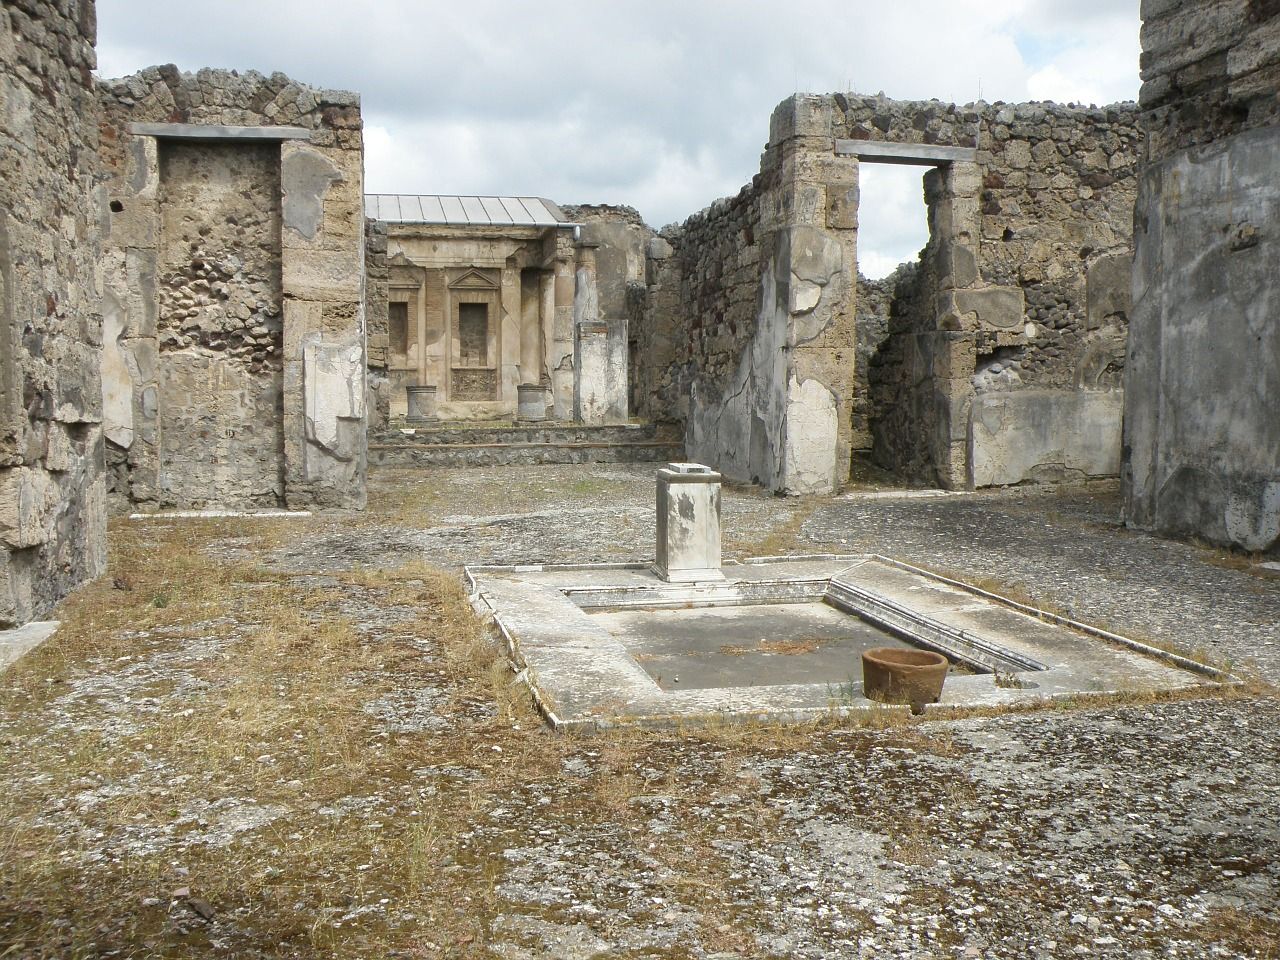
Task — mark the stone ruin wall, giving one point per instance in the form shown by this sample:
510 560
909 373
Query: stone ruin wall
1210 71
875 301
1020 378
234 300
220 323
702 305
1202 408
1003 356
52 499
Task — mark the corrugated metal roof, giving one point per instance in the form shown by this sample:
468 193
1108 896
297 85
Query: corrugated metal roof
463 211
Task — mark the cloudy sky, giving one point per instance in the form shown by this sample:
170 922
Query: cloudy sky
660 104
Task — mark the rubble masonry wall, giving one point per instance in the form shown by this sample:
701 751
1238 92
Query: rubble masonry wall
377 275
52 499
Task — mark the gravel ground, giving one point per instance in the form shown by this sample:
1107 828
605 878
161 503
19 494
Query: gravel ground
1128 829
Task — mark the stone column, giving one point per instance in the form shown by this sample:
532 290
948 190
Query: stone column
591 344
560 362
531 288
546 322
322 255
504 330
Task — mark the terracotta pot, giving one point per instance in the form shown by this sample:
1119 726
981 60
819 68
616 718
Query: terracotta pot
898 675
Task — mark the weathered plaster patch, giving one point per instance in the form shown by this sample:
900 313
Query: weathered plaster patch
739 431
811 434
117 383
1253 520
305 177
1044 435
804 296
333 377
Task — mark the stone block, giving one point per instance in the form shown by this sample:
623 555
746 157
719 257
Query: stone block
334 390
59 451
305 178
811 440
591 372
995 308
302 318
142 304
954 356
842 207
323 274
960 265
117 377
1017 154
133 221
16 602
814 255
18 641
688 523
658 249
801 115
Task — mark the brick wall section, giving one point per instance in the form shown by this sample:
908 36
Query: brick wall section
52 514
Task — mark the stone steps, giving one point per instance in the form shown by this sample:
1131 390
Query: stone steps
467 446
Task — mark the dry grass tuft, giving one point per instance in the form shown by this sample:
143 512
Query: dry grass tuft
783 537
1242 932
783 648
281 715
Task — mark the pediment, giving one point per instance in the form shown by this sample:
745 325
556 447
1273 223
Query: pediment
473 280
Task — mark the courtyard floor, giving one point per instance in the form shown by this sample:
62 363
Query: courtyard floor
292 738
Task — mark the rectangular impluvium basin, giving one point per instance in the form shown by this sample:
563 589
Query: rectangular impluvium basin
606 644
